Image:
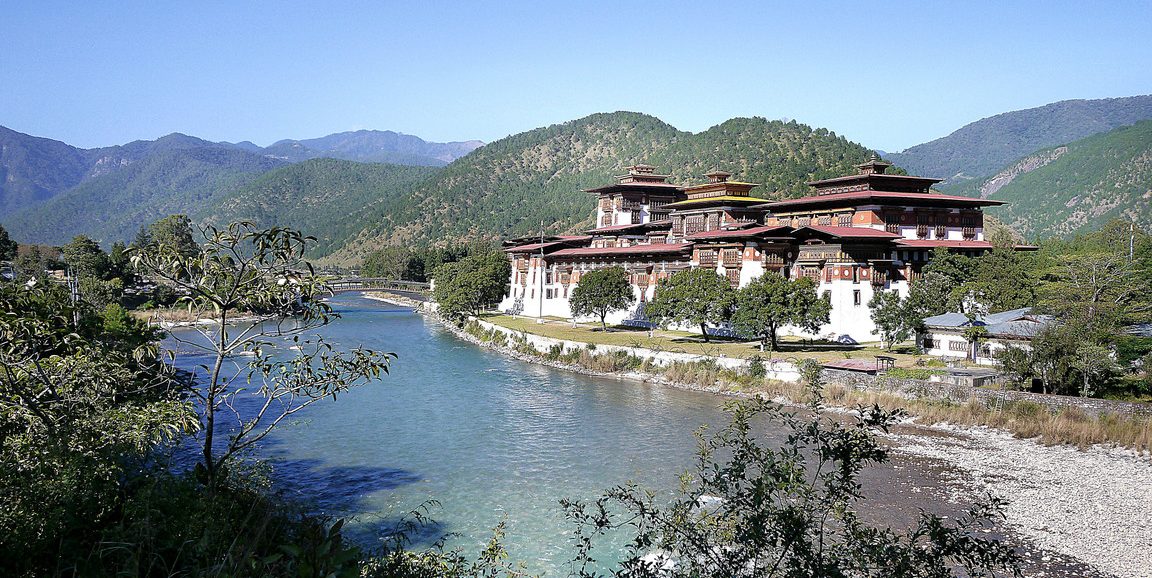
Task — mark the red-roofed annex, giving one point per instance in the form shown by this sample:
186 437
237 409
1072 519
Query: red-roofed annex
856 235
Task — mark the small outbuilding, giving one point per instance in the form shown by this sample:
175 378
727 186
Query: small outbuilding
945 335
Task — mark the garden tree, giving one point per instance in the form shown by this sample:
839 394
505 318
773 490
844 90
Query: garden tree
1016 363
1053 353
696 296
928 296
890 314
242 269
601 292
469 286
81 407
85 257
770 302
1100 292
1002 280
974 334
787 510
8 247
393 263
1094 364
174 231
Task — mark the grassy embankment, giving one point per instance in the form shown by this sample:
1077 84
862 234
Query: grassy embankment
1023 419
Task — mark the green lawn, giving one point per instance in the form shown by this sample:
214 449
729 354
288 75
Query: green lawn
684 342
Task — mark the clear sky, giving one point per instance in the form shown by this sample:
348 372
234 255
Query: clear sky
886 74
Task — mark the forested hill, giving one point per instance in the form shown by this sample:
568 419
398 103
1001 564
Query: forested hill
326 198
112 206
1081 186
982 148
508 187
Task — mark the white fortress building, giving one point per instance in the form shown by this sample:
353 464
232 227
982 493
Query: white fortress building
855 235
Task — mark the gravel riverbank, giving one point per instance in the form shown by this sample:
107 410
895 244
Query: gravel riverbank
1092 505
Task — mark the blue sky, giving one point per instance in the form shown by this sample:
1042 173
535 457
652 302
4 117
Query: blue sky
886 74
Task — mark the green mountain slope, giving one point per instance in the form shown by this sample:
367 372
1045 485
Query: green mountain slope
112 206
1093 181
34 169
982 148
510 186
326 198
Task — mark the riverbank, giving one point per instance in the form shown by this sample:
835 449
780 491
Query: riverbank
172 317
1090 503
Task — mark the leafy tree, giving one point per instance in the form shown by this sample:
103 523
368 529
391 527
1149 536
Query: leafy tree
1016 363
81 405
469 286
770 302
1096 368
601 292
1099 292
86 258
1002 281
242 269
890 314
174 231
695 296
1053 352
8 247
974 334
928 296
751 509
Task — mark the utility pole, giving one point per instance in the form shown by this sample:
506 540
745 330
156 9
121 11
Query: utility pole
540 317
74 293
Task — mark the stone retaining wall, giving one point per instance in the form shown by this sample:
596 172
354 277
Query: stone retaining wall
962 393
776 369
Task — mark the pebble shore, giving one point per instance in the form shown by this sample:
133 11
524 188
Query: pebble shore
1093 504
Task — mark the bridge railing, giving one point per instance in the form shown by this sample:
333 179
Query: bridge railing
370 283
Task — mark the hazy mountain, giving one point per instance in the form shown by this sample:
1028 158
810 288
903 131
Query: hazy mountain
129 188
510 186
373 146
985 147
34 169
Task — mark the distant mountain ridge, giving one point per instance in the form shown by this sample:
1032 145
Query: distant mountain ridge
51 191
372 146
983 148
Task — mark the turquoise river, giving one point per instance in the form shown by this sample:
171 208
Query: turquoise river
491 438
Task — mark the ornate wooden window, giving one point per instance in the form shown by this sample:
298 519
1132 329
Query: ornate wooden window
636 217
922 231
958 346
606 203
825 220
693 224
941 232
731 257
707 257
969 232
678 226
804 221
733 277
844 220
712 223
606 219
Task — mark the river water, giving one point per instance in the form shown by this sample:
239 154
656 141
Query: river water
494 439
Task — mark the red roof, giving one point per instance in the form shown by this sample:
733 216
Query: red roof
614 228
563 240
851 232
647 249
839 198
950 243
749 232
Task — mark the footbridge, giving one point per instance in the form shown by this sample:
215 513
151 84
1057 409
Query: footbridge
346 284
